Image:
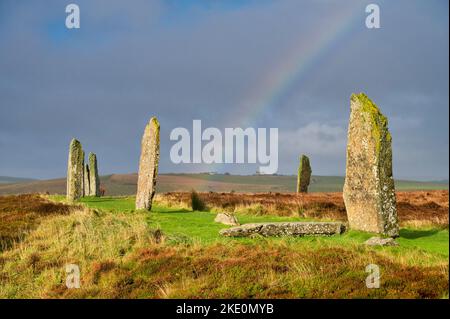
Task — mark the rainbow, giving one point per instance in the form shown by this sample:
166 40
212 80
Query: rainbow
297 64
294 69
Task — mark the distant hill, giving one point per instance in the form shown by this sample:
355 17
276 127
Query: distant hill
125 184
10 180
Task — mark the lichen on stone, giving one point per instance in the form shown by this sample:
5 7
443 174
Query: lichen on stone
369 190
379 122
75 171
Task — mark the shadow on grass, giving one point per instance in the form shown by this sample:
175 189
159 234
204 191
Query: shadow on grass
97 200
414 234
162 211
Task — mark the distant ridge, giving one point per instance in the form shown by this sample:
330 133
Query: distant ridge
9 180
125 184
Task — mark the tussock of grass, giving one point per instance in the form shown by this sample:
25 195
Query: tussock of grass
86 238
22 213
164 201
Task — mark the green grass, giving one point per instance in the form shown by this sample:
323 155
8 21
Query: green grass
431 240
117 204
122 256
181 225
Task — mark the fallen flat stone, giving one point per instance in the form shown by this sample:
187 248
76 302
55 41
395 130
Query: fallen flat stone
379 241
285 229
226 219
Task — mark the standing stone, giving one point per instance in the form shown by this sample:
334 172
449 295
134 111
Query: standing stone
87 189
83 177
148 165
75 171
304 175
369 192
94 181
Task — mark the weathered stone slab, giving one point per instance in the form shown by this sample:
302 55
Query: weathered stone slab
369 192
226 219
94 186
285 229
378 241
75 171
304 174
148 165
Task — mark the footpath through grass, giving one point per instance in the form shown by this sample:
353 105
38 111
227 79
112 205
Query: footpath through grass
185 226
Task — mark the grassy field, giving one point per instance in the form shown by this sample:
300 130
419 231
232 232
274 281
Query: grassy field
200 227
173 252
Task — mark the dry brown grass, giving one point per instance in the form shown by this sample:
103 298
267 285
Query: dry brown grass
273 271
19 214
97 242
420 208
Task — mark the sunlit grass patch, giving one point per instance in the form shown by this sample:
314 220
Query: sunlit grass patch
184 225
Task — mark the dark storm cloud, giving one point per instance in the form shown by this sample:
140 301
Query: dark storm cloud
130 61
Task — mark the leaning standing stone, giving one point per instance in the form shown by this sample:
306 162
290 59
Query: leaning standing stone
369 192
75 171
87 189
304 175
93 176
148 165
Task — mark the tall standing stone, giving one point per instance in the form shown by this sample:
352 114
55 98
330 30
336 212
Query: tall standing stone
93 176
87 183
304 174
75 171
369 191
148 165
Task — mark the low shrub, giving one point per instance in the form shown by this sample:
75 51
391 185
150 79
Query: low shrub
196 202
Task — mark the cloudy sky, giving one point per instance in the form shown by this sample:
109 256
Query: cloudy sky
288 64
